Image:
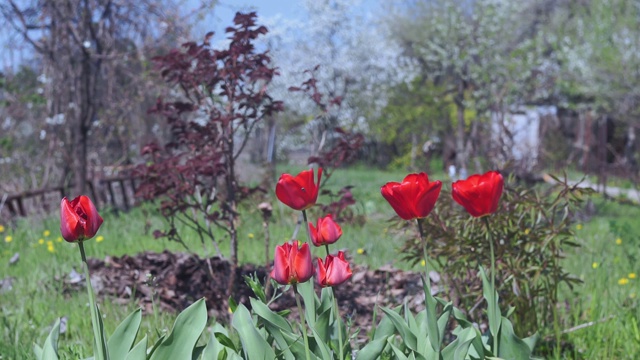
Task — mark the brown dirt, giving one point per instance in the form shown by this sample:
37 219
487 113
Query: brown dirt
175 280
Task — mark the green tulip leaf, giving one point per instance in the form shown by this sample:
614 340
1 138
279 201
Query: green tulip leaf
309 297
254 345
268 315
511 346
373 350
432 316
49 351
400 325
181 341
139 351
124 336
493 308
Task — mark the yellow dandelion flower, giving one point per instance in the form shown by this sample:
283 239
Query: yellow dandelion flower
618 241
59 239
623 281
632 275
41 241
1 228
360 251
250 235
423 263
594 265
99 238
527 231
51 249
8 239
579 227
46 233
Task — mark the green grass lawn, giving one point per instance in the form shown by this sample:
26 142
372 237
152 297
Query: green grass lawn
605 305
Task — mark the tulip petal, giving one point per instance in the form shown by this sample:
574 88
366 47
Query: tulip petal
302 263
93 220
70 226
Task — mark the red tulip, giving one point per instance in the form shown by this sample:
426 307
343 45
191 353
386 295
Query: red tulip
414 197
326 233
79 219
292 264
334 271
299 192
479 194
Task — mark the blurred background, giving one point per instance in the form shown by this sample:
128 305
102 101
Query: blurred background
456 86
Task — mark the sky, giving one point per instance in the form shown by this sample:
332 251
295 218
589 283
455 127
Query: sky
269 9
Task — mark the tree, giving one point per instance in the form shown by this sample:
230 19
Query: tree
485 54
93 64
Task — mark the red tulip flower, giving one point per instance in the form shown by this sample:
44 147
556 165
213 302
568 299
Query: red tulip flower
479 194
414 197
334 271
298 192
292 264
79 219
327 232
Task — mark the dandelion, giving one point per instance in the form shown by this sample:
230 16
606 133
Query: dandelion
360 251
99 238
579 227
8 239
59 239
423 263
46 233
41 241
50 247
623 281
632 275
618 241
594 265
251 236
1 228
527 231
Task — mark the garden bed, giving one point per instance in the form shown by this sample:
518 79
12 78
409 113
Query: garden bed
175 280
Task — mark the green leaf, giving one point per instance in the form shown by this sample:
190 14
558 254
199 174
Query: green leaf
188 327
385 328
49 350
407 336
493 308
432 316
372 350
254 345
309 297
399 354
268 315
139 351
124 336
511 346
256 287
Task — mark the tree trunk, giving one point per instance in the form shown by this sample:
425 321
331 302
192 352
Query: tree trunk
461 157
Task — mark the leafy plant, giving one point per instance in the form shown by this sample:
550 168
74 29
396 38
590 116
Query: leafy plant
533 231
223 96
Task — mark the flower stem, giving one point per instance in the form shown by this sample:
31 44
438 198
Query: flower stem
306 225
100 351
424 251
303 323
339 322
493 277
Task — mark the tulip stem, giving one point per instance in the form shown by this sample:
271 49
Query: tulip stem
493 276
338 321
306 225
303 323
424 247
98 336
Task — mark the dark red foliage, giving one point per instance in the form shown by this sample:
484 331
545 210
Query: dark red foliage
223 96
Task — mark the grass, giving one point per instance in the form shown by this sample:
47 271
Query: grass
38 295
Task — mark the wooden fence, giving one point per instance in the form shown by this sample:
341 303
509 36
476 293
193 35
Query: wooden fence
115 192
